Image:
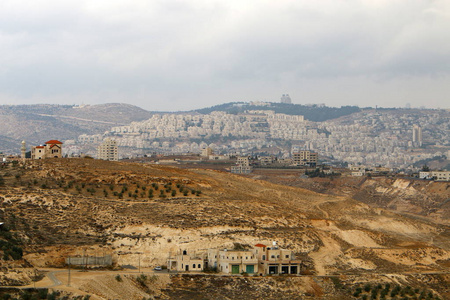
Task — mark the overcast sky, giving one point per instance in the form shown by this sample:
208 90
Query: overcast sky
180 55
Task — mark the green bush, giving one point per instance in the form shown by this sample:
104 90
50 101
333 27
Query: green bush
42 293
6 296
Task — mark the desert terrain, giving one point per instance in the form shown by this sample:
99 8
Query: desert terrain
347 236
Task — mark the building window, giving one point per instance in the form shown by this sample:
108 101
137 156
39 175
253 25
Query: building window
287 256
193 266
199 266
273 256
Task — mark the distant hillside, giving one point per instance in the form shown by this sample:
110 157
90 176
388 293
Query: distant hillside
7 143
38 123
311 112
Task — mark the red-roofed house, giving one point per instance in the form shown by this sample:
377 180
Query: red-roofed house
51 149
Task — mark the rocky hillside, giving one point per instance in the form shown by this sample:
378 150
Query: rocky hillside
143 213
33 122
417 198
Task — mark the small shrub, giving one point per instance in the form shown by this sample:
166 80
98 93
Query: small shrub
118 278
42 293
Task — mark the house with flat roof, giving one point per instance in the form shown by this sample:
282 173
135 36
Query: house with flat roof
261 259
186 262
274 260
230 261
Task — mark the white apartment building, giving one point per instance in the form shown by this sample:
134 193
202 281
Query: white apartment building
108 150
436 175
305 158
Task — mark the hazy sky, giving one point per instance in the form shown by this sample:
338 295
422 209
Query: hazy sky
180 55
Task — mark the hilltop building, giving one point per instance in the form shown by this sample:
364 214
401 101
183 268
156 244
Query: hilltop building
305 158
51 149
108 150
286 99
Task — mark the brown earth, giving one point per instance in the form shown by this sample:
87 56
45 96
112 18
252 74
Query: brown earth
68 207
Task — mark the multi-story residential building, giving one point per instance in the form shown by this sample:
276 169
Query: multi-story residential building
233 261
305 158
273 260
259 260
108 150
90 139
51 149
242 166
186 262
417 136
435 175
206 152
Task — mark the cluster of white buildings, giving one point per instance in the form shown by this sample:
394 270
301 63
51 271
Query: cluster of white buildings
262 260
372 137
435 175
378 137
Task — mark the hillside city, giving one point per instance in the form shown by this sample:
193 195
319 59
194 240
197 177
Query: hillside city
392 138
